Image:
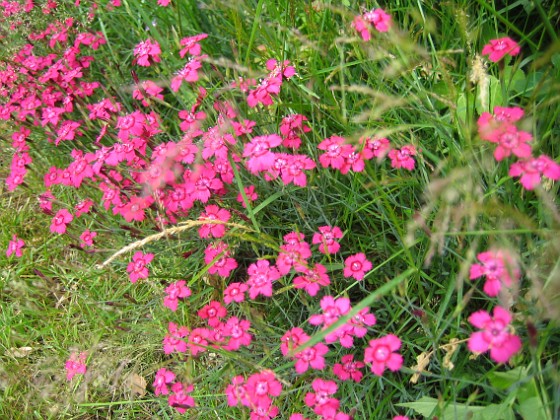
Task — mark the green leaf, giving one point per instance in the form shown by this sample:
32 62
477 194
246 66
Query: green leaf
427 407
504 380
532 409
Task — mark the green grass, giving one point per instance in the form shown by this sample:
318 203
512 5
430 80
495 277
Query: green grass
421 229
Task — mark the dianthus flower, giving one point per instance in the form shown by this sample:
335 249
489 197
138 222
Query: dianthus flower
238 333
191 45
311 357
499 267
137 267
146 53
214 230
336 150
236 392
402 158
163 377
496 49
510 141
189 73
261 276
87 238
495 335
235 292
292 339
15 246
83 207
332 310
321 398
261 386
531 170
76 364
249 193
294 253
172 342
312 278
224 264
260 158
60 221
381 354
179 399
326 238
348 369
197 341
379 18
489 123
356 266
213 312
174 292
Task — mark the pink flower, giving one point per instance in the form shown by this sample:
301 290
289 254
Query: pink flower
510 140
261 386
498 48
15 246
332 310
213 312
163 377
348 369
83 207
223 264
489 123
495 335
292 339
76 364
213 213
531 170
174 292
261 276
180 399
402 158
327 237
311 357
380 19
60 221
259 154
172 342
238 332
312 279
378 147
87 238
191 45
146 53
236 392
235 292
250 193
336 150
356 266
401 418
499 267
137 267
321 398
362 27
198 340
380 354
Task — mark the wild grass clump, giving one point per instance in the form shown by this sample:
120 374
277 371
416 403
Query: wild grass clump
279 209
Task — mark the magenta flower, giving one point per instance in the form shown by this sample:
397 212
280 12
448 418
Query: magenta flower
163 377
146 53
87 238
261 276
531 170
238 332
172 342
236 392
213 312
224 264
76 364
332 310
380 19
83 207
250 193
179 399
489 123
496 49
510 141
213 213
381 354
197 341
260 158
15 246
191 45
174 292
321 398
312 279
261 386
336 150
60 221
313 357
348 369
235 292
402 158
326 238
499 267
292 339
379 147
137 267
495 335
356 266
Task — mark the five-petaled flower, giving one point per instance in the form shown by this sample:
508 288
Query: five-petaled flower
15 246
381 354
137 267
495 336
76 364
499 267
496 49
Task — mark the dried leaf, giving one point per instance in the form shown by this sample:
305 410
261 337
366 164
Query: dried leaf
422 360
19 352
135 384
450 349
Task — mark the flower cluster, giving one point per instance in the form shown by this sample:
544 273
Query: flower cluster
375 18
